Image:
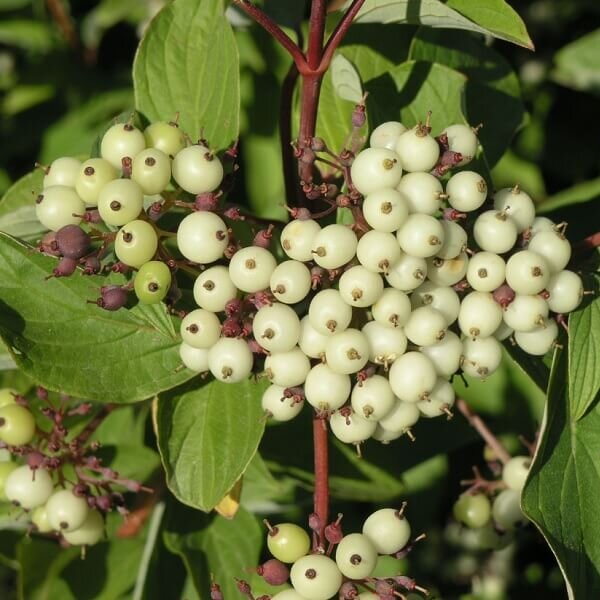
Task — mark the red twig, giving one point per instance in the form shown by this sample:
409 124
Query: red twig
85 435
338 34
321 450
586 245
482 429
273 29
318 16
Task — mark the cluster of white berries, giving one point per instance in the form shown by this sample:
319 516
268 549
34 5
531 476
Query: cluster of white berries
412 300
367 323
318 576
134 169
48 506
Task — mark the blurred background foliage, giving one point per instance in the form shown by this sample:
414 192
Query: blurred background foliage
65 71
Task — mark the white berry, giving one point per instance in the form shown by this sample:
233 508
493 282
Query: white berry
230 360
251 268
375 169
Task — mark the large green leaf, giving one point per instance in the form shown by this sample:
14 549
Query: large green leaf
497 17
492 93
69 345
207 436
492 17
187 63
407 92
213 545
577 64
584 357
564 485
17 208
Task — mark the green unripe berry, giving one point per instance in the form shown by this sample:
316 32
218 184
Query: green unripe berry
472 510
166 137
136 243
17 425
152 282
288 542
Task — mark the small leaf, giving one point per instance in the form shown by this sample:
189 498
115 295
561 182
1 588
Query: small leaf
494 17
580 193
207 436
577 64
67 344
187 63
17 208
584 357
563 486
345 79
213 545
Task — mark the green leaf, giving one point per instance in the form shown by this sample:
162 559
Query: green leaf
35 36
497 17
580 193
207 436
411 89
213 545
17 208
121 436
49 571
67 344
577 64
334 118
561 493
584 357
492 94
187 63
23 97
345 79
494 17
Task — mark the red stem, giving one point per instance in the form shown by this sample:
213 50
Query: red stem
587 244
482 429
272 28
321 450
338 34
85 435
318 16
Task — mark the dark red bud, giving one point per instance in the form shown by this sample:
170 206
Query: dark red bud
274 572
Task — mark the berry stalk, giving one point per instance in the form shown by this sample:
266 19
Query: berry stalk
482 429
